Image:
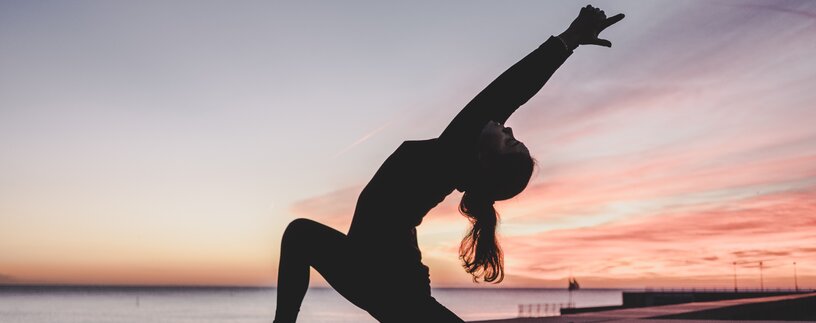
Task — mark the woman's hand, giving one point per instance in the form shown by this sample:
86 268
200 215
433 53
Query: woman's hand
586 27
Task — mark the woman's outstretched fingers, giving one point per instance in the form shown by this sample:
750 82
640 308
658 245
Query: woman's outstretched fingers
606 23
612 20
599 41
590 22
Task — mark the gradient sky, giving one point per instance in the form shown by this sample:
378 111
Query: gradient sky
171 143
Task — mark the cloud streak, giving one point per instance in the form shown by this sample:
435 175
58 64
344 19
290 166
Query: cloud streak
361 140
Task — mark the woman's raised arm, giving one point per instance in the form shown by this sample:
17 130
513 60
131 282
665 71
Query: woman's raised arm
506 93
524 79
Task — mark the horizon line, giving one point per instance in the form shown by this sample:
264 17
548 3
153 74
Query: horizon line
179 286
262 287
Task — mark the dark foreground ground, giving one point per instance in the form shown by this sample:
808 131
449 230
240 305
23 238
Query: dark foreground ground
786 308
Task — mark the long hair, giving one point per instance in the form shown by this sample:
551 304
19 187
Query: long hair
480 250
505 177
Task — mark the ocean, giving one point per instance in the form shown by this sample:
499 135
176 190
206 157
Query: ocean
255 305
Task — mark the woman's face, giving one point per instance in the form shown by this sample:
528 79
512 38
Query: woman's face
497 139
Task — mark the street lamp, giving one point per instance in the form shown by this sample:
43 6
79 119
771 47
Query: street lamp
795 280
735 276
761 280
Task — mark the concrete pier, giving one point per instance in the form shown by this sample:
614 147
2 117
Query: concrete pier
785 308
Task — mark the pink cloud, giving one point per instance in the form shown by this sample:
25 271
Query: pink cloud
775 228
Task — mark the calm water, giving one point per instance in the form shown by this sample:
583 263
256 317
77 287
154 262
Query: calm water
244 305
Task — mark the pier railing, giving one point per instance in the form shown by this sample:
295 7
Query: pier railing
661 296
543 309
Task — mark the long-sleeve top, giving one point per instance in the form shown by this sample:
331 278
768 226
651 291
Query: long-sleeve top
420 174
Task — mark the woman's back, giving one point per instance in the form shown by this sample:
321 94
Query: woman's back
414 179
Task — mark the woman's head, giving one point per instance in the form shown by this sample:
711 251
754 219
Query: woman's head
498 139
505 169
505 163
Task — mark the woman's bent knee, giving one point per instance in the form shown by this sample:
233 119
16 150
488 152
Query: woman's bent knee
297 229
299 225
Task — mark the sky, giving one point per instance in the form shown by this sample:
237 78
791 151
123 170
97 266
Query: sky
172 142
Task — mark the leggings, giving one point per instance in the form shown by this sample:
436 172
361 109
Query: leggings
353 273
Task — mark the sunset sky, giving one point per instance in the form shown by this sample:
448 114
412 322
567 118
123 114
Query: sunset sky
172 142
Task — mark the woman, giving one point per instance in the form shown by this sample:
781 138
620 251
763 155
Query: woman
378 266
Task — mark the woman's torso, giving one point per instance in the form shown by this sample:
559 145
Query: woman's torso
412 181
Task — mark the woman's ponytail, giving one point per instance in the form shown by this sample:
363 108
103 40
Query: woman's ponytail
479 250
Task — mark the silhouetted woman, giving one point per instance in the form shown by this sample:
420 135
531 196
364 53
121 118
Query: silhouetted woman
378 266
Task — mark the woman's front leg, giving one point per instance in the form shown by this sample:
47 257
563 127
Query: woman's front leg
307 243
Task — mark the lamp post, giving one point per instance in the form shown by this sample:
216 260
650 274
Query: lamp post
795 280
735 276
761 280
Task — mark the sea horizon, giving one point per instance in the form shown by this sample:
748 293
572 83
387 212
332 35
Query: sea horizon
249 304
251 287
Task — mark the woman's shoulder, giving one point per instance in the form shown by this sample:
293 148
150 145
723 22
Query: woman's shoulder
422 141
431 148
428 145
